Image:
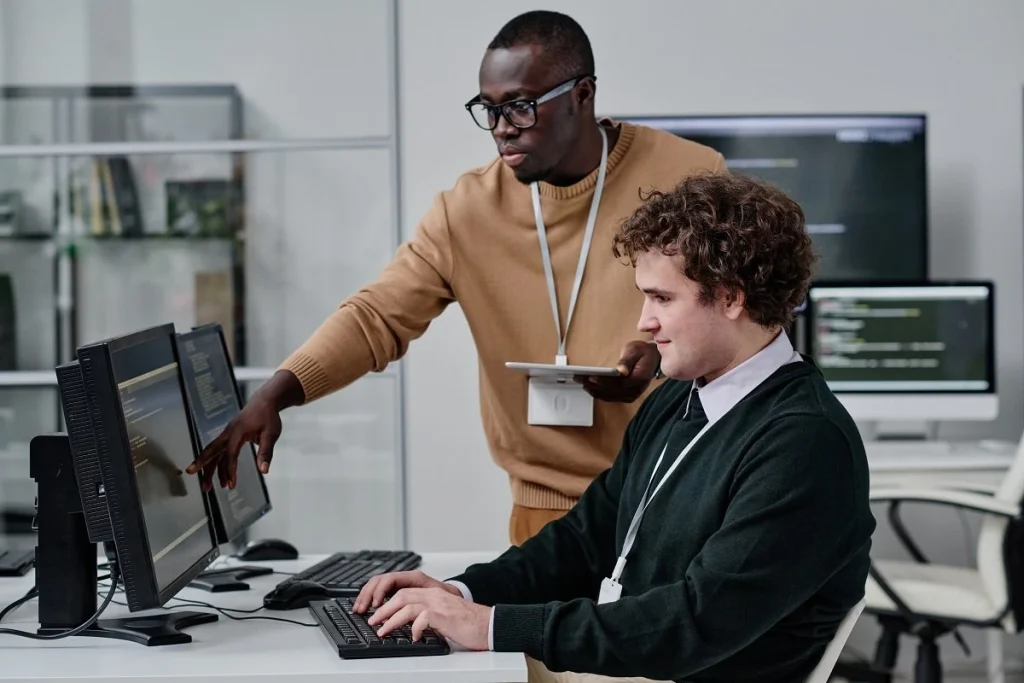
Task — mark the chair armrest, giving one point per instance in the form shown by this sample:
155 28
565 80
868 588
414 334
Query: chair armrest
978 502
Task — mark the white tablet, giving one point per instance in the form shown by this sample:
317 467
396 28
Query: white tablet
552 370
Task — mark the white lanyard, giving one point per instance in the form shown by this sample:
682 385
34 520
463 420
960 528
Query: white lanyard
627 543
634 526
560 357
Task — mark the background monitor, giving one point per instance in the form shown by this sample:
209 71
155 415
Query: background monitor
861 180
214 400
907 352
164 536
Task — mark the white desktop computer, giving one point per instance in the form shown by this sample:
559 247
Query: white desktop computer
897 353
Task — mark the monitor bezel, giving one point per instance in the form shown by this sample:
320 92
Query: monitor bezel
131 538
218 517
650 120
991 364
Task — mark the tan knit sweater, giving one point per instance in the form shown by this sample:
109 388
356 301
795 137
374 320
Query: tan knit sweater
478 245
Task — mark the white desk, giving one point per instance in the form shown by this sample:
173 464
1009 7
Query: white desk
255 651
937 463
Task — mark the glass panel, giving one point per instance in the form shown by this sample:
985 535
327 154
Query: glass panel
27 184
25 413
183 114
317 227
334 481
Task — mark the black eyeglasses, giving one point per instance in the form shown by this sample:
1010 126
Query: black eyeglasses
520 113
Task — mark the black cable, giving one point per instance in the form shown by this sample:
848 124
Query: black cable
32 592
114 575
183 602
226 611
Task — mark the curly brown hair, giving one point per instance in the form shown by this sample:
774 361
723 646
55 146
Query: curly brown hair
734 233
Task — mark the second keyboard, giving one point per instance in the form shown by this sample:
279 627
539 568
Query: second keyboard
344 574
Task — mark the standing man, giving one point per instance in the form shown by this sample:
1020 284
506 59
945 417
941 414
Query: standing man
524 245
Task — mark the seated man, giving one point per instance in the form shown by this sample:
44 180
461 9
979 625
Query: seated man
731 535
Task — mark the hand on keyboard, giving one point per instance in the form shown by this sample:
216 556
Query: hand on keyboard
425 602
380 587
455 618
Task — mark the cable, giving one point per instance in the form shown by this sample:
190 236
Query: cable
32 592
226 611
183 602
115 573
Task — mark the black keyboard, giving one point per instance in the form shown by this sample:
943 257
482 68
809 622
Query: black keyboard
16 562
355 639
344 574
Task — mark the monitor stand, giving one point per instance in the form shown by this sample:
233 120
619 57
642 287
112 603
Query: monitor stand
228 578
66 560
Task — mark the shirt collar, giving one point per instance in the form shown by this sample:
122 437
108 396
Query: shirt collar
721 394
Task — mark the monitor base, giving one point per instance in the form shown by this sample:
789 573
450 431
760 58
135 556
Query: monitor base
149 630
228 578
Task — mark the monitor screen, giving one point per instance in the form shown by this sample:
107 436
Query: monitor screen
214 400
861 181
890 339
163 532
156 419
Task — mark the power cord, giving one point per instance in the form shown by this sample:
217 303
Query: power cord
115 573
32 592
228 612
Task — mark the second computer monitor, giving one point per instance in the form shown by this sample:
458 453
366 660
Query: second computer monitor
861 180
215 400
160 519
895 352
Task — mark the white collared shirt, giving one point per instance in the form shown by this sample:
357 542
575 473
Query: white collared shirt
721 394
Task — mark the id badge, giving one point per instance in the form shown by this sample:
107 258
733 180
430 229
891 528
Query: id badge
558 404
610 591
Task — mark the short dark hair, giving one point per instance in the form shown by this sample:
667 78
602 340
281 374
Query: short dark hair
564 40
734 233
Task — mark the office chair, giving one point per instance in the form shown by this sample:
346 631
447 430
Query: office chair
927 601
823 671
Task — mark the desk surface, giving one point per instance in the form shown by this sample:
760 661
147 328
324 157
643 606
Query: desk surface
254 650
939 456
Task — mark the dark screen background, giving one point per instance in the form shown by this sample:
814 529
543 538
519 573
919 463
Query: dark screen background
862 189
161 446
209 384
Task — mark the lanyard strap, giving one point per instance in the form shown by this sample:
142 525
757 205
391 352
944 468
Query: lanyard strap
627 543
560 357
634 525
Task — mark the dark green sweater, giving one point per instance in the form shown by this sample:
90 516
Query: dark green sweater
745 562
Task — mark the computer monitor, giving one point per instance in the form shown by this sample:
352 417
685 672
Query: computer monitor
901 352
861 180
129 441
214 400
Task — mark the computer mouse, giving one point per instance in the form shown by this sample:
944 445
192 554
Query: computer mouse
294 594
266 550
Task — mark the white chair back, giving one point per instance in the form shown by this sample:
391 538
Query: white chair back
823 671
991 535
